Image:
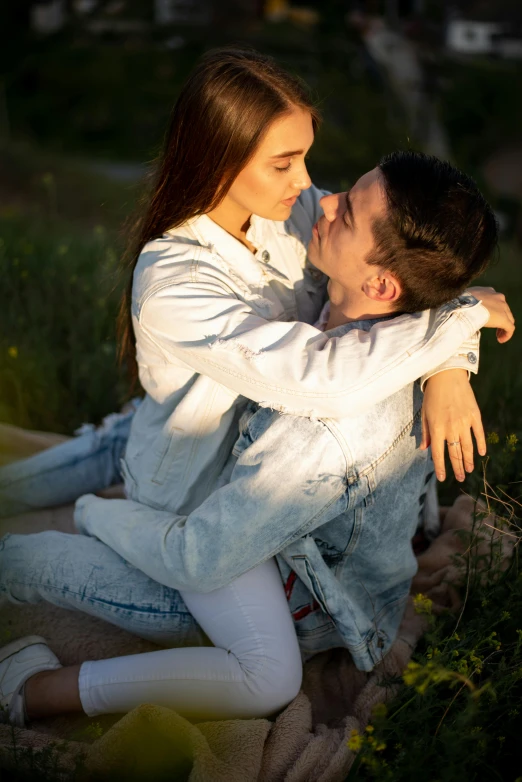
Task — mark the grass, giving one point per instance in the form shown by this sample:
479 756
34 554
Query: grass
59 300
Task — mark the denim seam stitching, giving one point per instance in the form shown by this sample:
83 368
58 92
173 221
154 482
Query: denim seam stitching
393 445
96 599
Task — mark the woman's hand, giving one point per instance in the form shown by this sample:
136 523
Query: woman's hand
449 413
500 316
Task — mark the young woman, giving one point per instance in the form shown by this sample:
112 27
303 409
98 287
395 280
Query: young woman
221 304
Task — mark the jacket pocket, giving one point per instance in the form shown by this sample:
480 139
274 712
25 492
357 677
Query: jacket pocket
161 463
306 572
131 486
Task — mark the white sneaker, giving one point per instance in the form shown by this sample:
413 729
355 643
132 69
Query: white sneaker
18 661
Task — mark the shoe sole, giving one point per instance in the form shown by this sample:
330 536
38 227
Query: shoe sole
19 644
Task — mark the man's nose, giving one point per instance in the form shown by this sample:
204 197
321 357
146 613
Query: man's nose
330 205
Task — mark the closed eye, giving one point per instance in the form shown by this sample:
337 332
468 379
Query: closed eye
286 168
349 211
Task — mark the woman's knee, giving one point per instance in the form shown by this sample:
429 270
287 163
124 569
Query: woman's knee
274 679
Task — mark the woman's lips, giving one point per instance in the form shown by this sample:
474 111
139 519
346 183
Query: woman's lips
289 201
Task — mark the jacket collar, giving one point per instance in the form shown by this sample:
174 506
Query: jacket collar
211 235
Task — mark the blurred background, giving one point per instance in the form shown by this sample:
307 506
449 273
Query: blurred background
86 88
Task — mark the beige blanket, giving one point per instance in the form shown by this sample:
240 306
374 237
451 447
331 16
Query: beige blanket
306 743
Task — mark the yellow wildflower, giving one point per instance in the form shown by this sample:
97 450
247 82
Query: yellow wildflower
355 741
13 351
511 442
422 604
492 438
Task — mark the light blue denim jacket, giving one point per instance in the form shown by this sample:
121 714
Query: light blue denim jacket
336 500
216 324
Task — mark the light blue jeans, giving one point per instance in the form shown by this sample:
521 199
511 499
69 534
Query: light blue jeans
254 668
86 463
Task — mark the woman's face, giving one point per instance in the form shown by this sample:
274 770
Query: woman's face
270 183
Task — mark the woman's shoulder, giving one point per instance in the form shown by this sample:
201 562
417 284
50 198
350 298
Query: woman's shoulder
178 242
176 258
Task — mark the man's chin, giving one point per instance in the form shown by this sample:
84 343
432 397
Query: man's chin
314 255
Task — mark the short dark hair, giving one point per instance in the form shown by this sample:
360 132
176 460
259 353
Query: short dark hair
439 231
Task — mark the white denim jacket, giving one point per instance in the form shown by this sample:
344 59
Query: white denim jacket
216 325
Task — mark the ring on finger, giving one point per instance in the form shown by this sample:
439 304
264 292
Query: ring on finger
455 442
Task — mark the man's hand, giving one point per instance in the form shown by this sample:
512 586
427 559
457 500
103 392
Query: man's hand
500 316
449 413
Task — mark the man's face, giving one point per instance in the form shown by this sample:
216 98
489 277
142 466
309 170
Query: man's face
343 237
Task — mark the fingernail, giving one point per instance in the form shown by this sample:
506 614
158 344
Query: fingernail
441 476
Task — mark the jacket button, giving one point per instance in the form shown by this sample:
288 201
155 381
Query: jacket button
472 358
265 256
315 274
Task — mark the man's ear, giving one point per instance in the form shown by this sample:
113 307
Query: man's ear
384 287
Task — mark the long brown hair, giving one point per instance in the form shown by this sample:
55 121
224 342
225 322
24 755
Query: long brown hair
224 109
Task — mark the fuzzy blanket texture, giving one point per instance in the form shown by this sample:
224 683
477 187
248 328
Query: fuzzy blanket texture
307 742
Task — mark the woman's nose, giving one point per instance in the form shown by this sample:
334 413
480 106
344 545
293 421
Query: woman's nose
302 180
330 205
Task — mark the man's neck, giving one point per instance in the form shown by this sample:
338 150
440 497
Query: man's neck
347 308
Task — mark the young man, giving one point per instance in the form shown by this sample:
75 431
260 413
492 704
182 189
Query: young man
336 501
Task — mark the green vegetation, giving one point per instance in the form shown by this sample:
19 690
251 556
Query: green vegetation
478 108
113 102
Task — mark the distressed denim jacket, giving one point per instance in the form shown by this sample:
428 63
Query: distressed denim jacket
348 575
336 500
216 325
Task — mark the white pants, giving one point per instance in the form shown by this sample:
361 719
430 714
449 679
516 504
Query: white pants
255 672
